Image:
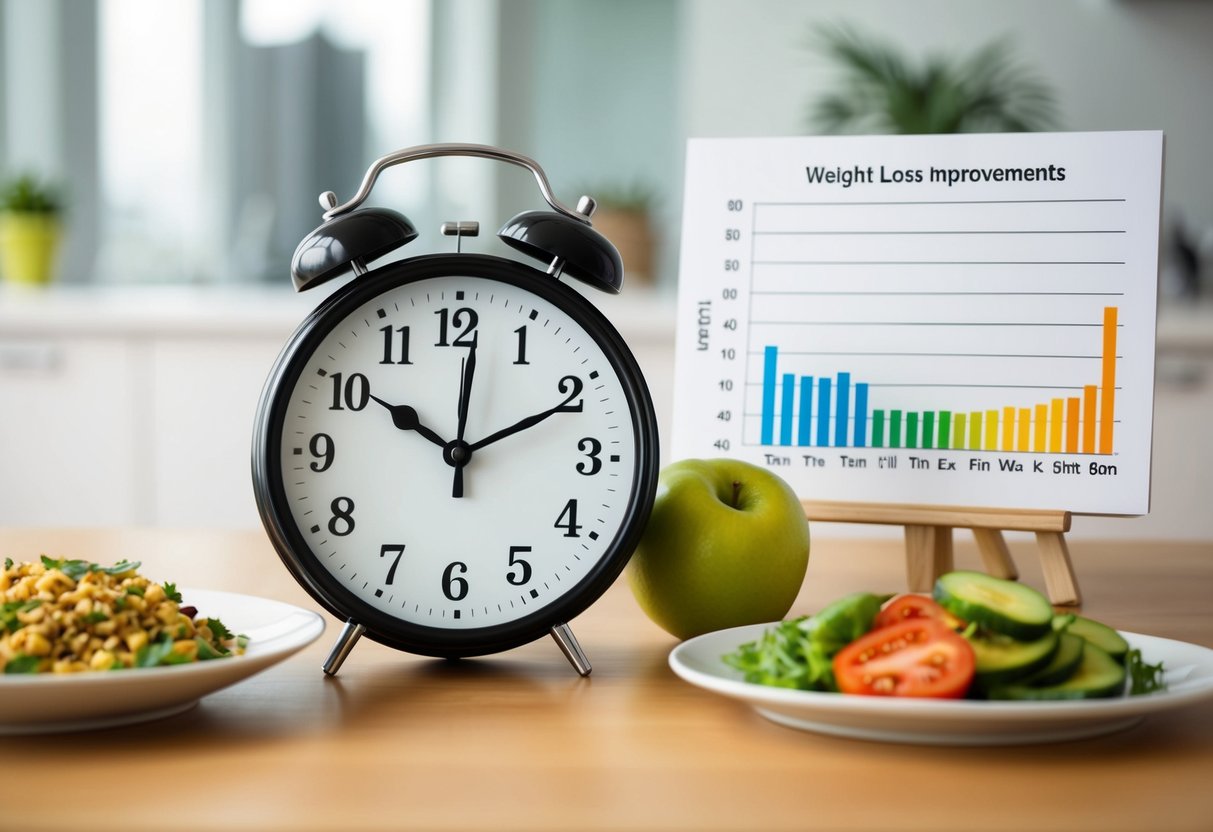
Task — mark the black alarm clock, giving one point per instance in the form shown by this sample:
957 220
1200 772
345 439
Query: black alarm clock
455 453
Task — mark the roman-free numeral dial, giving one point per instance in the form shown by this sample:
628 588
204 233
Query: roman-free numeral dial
461 461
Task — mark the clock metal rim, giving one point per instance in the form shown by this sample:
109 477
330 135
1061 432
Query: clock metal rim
288 539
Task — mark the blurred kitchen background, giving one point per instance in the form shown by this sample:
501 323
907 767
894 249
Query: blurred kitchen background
187 142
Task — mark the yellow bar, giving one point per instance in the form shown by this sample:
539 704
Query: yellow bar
1008 428
1042 425
1023 430
1072 425
1107 381
958 430
1088 419
974 431
991 430
1055 422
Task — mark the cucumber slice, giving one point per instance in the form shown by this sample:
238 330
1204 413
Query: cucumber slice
1098 676
1063 665
1101 635
1002 606
1000 659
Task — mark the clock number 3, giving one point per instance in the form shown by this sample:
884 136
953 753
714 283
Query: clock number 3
591 465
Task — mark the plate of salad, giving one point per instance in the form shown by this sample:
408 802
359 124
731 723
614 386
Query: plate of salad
979 661
86 646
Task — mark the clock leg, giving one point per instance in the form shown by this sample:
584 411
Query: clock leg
345 643
571 649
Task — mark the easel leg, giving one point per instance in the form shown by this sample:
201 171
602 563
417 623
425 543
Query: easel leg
1058 571
995 554
928 555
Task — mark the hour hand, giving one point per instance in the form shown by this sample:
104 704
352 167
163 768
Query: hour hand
405 417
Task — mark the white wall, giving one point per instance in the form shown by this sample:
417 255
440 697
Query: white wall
1115 64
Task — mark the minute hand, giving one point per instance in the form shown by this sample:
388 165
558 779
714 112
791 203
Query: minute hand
523 424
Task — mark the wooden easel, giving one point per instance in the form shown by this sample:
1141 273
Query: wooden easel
929 539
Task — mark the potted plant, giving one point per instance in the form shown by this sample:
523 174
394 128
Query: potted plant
884 91
30 230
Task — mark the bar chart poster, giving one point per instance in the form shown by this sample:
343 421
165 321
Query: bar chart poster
962 320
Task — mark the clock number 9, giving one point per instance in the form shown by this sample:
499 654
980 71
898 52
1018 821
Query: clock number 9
454 587
322 448
342 521
591 447
446 320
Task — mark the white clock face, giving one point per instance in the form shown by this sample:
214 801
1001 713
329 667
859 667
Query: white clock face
458 452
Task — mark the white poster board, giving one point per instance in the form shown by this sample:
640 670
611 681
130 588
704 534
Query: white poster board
946 320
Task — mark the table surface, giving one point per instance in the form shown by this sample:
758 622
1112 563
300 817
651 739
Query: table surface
519 741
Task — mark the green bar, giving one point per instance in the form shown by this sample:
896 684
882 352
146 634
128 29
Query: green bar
894 428
945 429
911 430
877 428
928 429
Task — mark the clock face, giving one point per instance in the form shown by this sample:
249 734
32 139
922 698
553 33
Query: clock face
458 453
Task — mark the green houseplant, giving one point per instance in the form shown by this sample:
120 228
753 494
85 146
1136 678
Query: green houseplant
30 230
884 91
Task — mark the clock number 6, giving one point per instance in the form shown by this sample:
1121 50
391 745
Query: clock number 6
454 587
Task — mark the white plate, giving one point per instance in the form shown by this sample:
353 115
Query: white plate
1189 676
44 703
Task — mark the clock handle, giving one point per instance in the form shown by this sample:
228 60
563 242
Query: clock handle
345 643
572 650
328 200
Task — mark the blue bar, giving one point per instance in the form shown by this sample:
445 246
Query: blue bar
823 412
843 417
787 412
806 410
861 415
768 395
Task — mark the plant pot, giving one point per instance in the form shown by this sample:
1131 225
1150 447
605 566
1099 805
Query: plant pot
631 234
28 244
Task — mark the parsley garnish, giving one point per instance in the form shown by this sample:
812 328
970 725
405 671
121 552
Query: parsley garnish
77 569
8 564
8 614
1143 677
220 632
154 653
22 663
170 591
136 590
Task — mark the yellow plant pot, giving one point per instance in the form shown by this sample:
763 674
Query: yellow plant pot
28 244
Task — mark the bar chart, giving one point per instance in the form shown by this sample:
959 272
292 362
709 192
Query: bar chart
834 411
898 337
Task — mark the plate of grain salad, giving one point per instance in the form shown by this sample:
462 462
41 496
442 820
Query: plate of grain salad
84 645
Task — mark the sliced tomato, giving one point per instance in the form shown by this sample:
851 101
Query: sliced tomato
906 607
916 657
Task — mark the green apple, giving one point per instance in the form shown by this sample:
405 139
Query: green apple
727 544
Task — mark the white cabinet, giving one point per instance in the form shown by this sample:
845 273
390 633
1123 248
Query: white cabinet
74 412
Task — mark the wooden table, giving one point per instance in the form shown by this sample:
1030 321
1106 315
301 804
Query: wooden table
519 741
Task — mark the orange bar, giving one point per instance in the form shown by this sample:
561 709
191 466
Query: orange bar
1055 422
1107 381
1042 424
1024 429
1088 418
1008 428
1072 426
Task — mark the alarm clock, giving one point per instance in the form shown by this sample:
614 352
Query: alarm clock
455 453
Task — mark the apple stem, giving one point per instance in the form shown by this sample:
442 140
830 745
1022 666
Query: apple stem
736 494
